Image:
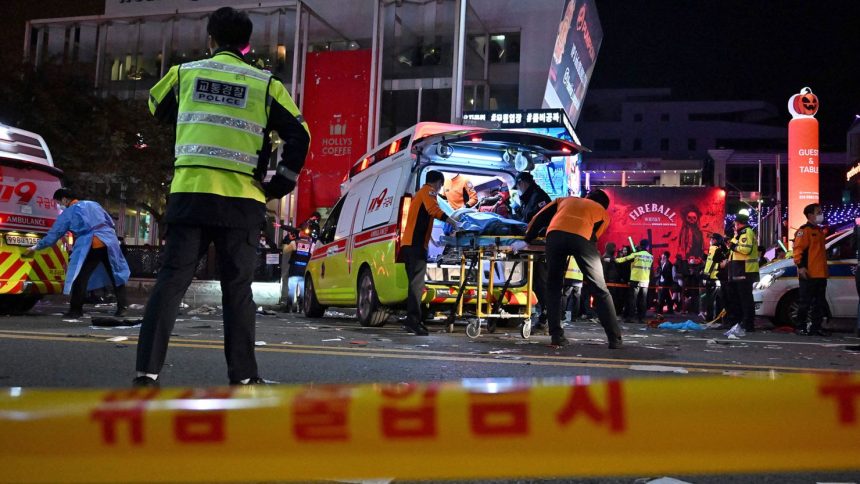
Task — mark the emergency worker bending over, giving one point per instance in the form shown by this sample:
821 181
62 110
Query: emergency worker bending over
573 226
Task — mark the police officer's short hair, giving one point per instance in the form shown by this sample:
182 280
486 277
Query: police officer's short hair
599 196
810 209
644 244
434 176
63 193
230 27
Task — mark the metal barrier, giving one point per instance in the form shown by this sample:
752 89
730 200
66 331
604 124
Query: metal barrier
482 428
144 262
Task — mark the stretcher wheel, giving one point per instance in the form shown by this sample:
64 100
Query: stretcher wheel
473 329
526 329
449 328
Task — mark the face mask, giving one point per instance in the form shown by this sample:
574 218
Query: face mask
819 218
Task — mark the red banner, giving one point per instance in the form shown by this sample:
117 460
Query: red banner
678 220
337 91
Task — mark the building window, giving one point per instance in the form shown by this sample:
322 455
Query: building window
664 117
503 48
691 144
637 117
637 144
664 144
690 179
607 145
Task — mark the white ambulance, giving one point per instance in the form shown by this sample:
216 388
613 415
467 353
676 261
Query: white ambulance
28 180
354 262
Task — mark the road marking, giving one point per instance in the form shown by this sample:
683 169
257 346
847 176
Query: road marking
519 359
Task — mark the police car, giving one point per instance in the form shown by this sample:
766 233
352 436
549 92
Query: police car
776 294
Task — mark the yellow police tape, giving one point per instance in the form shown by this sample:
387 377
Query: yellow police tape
469 429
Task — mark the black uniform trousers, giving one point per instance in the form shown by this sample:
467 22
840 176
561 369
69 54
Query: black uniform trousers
559 246
709 299
540 286
79 287
236 250
812 303
636 303
740 305
415 259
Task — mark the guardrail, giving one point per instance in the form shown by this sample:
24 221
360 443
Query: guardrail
488 428
144 261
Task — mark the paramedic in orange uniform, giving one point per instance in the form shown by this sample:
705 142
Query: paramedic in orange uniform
573 226
810 256
413 245
459 192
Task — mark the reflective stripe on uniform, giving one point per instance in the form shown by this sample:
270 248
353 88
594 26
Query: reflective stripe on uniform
217 152
211 65
219 120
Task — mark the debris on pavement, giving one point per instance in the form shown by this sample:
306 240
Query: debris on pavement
117 339
201 326
358 342
265 312
259 343
204 309
332 339
112 322
137 306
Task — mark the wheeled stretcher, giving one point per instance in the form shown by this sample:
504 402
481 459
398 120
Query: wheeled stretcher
491 293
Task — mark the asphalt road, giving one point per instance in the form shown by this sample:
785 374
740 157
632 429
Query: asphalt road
40 349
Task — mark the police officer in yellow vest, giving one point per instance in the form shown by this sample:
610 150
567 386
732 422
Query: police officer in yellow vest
716 254
572 289
224 111
743 273
640 276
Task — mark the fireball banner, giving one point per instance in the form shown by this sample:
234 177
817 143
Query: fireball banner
677 220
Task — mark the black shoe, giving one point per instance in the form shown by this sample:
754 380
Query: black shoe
418 330
818 332
120 312
254 381
144 381
540 329
73 314
615 343
559 341
751 329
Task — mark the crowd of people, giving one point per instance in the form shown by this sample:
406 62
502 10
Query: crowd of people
717 289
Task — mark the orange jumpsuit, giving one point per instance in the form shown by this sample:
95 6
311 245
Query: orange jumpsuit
459 192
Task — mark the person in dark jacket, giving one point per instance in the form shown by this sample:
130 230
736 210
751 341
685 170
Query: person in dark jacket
532 200
612 274
665 279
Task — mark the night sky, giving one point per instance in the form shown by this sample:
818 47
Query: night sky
703 50
738 50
